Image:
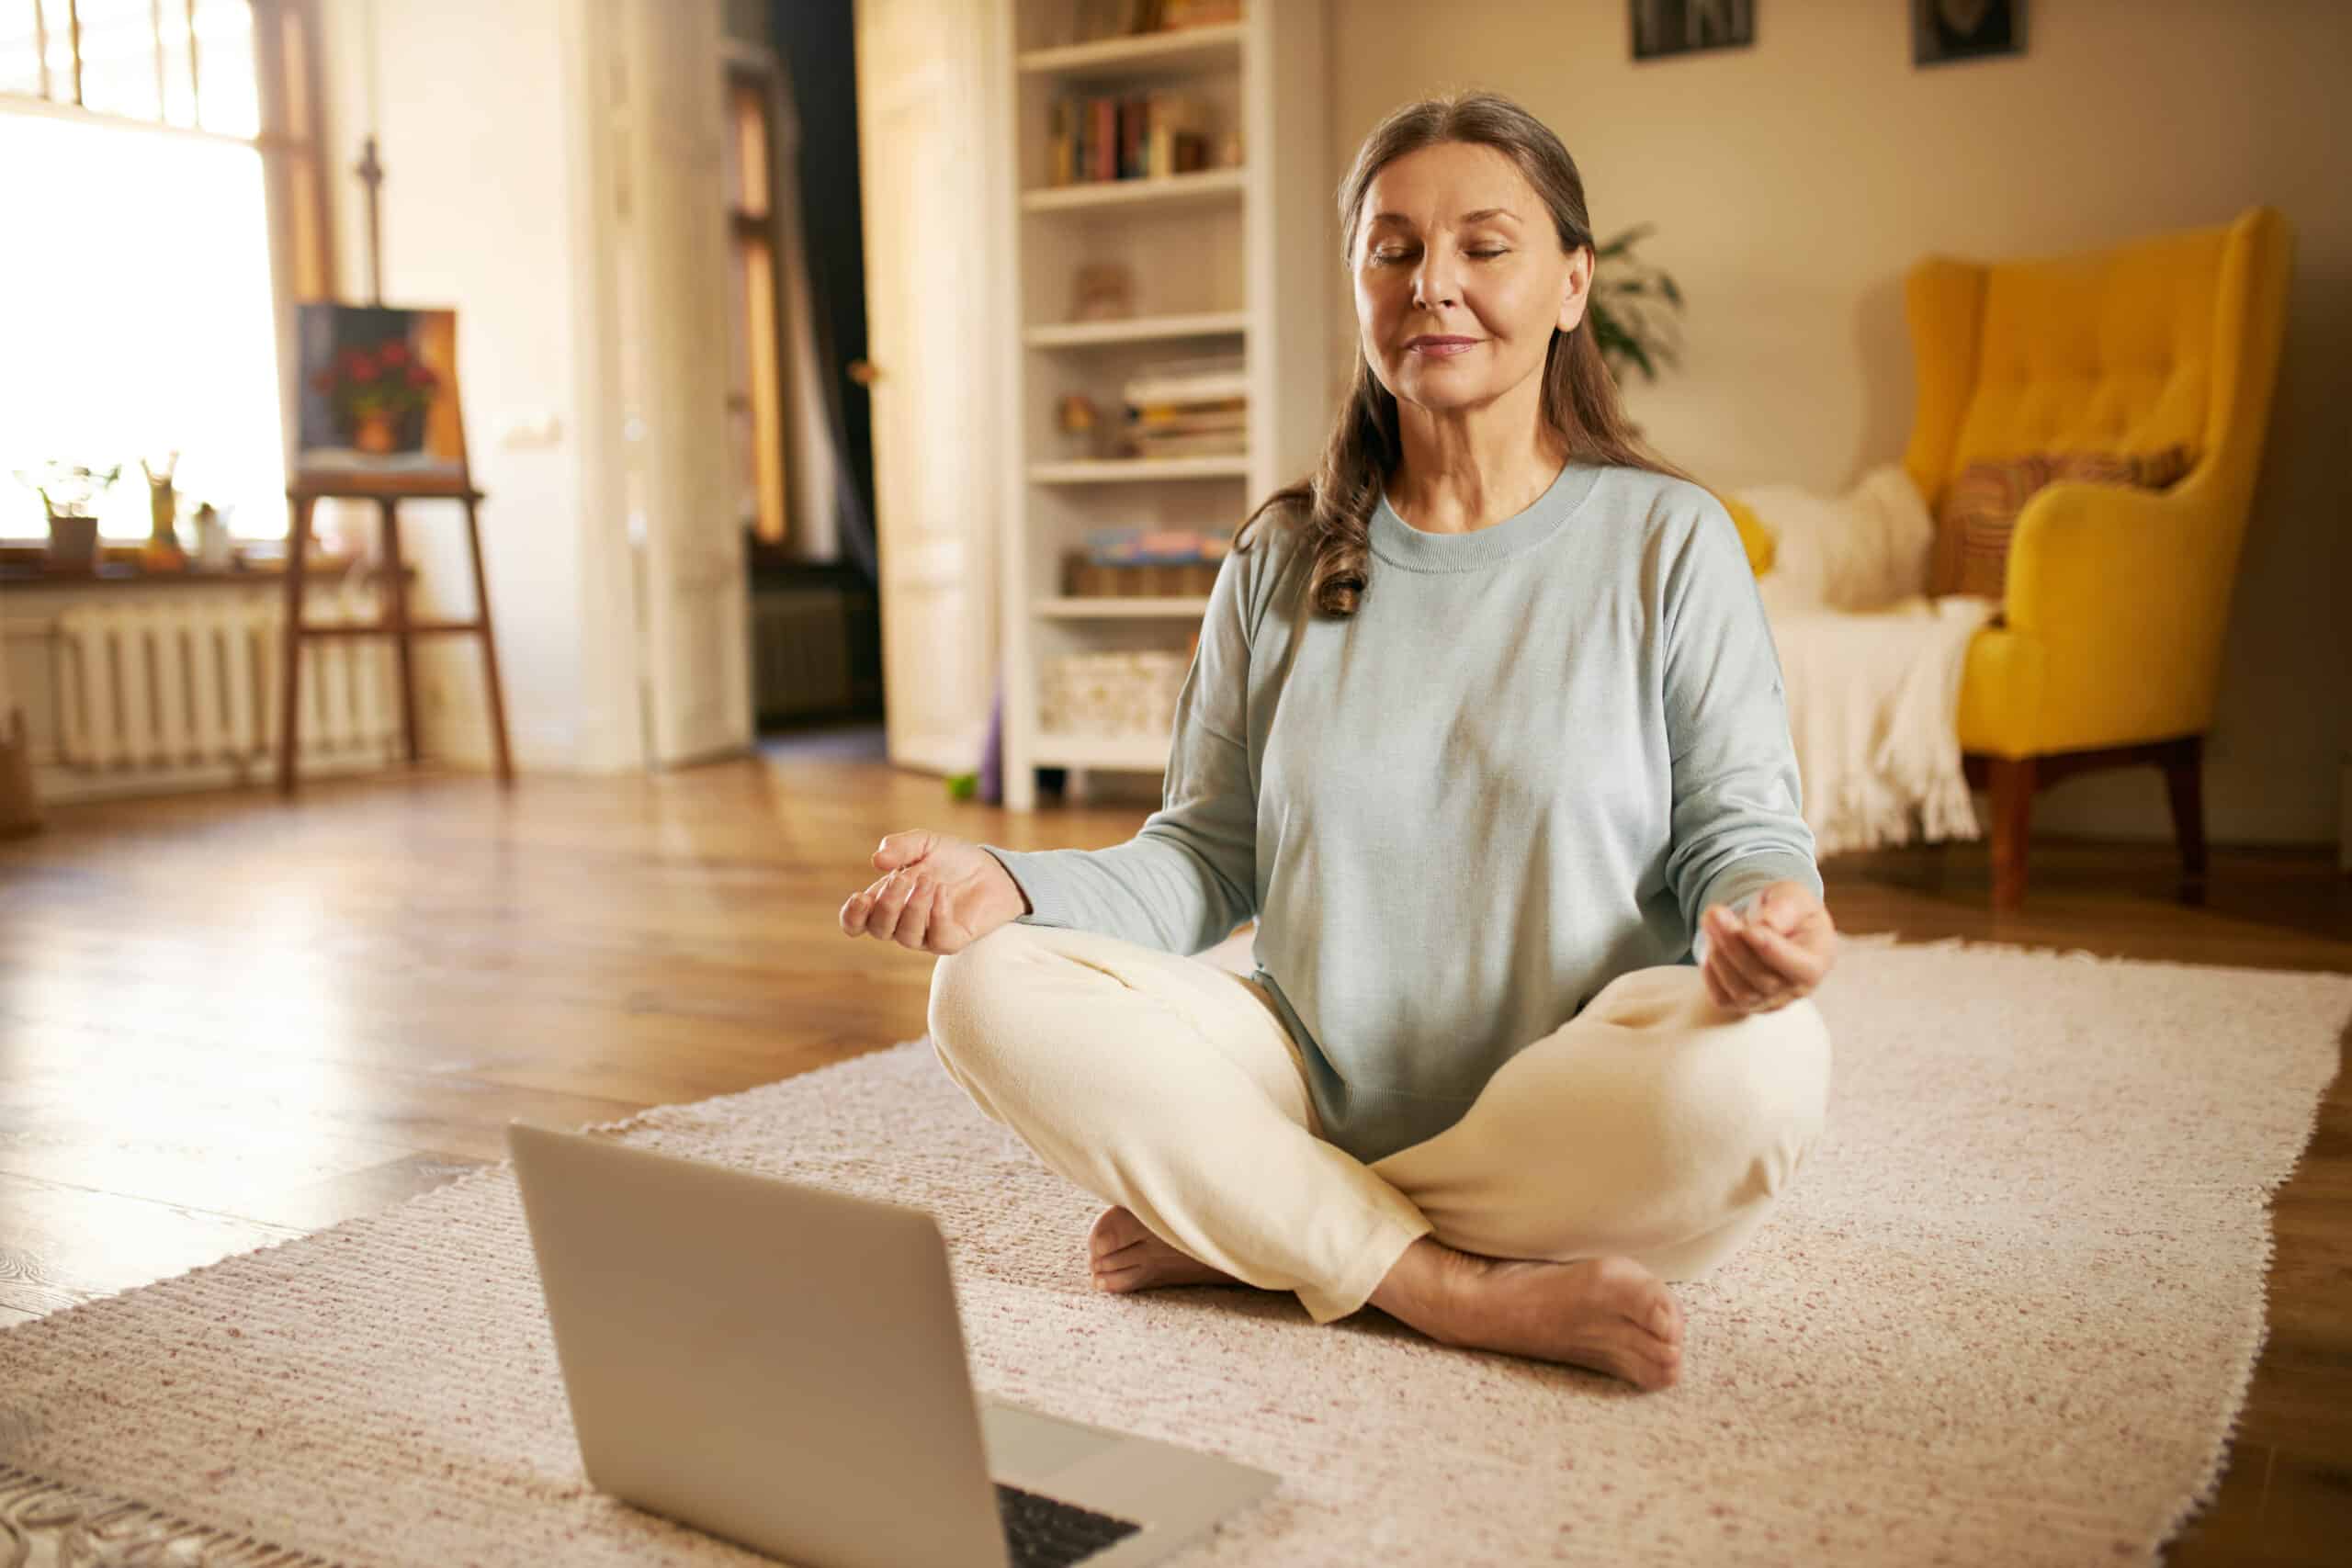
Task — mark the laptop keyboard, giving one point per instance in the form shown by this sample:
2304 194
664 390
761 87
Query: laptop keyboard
1044 1532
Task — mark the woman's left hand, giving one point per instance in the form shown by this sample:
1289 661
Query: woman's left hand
1779 952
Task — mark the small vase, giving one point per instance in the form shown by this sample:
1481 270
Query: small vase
73 544
215 551
375 434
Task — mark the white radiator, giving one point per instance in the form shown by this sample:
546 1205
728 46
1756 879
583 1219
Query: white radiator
180 689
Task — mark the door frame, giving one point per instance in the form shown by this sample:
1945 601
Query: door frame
616 587
985 64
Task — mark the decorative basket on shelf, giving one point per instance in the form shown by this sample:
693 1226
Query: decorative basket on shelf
1087 578
1123 695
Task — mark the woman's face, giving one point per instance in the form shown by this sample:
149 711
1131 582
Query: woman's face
1460 279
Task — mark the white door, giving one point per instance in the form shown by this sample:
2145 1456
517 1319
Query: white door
671 277
923 126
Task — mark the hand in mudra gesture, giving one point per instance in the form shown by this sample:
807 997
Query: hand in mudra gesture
937 894
1779 952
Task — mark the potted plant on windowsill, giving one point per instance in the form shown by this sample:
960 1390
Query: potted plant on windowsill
69 495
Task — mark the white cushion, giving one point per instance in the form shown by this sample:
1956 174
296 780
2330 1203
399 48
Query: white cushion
1865 550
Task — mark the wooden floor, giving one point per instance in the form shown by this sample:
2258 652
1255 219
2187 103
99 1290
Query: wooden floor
224 1021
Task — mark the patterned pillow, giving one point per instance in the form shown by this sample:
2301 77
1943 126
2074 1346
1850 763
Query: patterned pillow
1980 511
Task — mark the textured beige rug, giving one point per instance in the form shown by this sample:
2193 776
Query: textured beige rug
2008 1316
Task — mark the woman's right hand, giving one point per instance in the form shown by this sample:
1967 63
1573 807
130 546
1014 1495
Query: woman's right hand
937 894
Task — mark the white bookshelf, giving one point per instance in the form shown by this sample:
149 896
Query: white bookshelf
1137 329
1126 753
1137 470
1149 606
1151 57
1163 191
1235 259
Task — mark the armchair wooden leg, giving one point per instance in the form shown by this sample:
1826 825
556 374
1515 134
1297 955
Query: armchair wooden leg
2013 785
2184 765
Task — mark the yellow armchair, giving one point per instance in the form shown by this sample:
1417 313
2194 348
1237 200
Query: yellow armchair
2108 650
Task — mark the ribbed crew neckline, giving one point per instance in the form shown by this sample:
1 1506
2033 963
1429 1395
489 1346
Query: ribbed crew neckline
1400 543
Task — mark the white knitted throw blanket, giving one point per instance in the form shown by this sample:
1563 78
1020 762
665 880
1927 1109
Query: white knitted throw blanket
1873 705
1871 666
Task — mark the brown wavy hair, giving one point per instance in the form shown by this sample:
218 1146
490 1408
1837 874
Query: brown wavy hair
1580 400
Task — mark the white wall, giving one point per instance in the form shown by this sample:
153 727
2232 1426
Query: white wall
489 205
1793 181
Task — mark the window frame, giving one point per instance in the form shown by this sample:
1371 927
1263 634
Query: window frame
287 84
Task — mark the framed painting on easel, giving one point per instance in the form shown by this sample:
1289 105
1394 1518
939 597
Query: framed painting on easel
379 412
378 420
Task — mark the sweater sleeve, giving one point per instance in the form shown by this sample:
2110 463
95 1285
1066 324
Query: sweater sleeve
1737 816
1189 876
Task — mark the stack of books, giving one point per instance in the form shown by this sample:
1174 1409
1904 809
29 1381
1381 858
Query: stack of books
1138 546
1188 408
1135 137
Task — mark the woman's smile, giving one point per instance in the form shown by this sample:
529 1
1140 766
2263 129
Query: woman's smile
1434 347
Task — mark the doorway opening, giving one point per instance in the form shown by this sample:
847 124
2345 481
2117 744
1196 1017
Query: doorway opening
800 430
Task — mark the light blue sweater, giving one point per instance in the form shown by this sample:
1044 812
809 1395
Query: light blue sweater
1536 752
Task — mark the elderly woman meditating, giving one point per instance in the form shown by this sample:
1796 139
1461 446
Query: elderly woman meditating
1486 728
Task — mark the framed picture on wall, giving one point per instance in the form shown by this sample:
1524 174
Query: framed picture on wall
379 400
1679 27
1946 30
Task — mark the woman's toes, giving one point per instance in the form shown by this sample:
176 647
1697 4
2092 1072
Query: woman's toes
1121 1254
1114 1231
1646 1361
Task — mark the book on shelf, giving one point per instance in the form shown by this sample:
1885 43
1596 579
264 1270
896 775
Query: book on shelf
1185 419
1136 544
1208 443
1187 408
1136 136
1187 383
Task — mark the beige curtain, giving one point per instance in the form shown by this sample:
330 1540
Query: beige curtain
812 466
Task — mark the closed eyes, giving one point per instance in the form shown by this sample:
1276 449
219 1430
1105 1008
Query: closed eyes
1393 256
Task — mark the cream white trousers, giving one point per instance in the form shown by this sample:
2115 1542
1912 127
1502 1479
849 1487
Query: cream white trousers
1653 1126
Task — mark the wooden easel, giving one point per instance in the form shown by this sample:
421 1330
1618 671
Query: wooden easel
387 493
397 622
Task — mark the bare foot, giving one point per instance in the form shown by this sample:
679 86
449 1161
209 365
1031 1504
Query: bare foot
1607 1313
1126 1256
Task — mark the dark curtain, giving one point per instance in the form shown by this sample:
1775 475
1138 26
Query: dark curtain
817 41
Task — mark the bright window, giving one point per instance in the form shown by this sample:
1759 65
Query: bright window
137 269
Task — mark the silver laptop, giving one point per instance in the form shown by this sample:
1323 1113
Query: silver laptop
782 1366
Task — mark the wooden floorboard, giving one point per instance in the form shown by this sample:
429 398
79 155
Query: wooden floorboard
225 1021
68 1244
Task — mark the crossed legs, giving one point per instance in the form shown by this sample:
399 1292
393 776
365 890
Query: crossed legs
1643 1141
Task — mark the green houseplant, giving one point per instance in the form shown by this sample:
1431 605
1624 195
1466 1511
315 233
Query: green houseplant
1634 309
